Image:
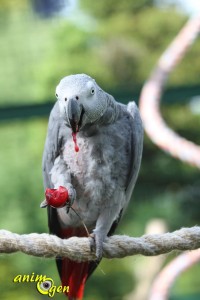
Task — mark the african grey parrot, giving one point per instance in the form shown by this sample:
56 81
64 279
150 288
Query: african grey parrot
93 151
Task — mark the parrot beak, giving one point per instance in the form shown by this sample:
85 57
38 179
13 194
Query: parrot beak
75 113
74 125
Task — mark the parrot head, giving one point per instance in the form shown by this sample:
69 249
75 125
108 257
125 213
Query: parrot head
81 101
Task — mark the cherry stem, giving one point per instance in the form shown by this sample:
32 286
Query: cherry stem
81 221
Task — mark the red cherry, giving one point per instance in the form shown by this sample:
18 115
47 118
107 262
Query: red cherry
57 197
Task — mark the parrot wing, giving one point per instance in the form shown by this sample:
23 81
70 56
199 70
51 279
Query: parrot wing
52 144
136 148
51 151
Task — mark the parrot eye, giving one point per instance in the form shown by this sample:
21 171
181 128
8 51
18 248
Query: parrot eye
92 91
56 95
65 99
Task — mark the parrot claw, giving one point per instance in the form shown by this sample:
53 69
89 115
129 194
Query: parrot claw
96 244
43 204
92 242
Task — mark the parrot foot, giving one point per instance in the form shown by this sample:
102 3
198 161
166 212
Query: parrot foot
96 244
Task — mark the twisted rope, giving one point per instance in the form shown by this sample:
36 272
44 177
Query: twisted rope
78 249
154 124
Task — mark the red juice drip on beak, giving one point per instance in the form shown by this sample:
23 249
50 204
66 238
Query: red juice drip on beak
76 148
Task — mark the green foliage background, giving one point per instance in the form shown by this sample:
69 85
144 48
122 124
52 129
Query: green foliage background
118 43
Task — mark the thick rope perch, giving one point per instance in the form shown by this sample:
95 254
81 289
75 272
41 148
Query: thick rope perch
46 245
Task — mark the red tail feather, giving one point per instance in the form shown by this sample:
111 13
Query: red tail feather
74 274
